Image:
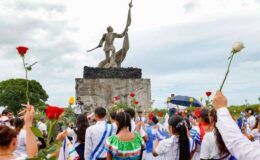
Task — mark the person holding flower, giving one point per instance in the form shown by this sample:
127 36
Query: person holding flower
8 138
235 141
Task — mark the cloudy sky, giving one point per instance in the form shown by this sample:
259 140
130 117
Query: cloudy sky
181 45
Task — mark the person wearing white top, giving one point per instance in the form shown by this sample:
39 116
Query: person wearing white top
42 126
250 119
96 136
113 121
177 147
238 145
139 126
8 139
213 146
255 133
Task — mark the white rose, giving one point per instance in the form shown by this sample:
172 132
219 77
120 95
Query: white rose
237 47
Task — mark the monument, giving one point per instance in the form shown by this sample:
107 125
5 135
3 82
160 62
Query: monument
100 85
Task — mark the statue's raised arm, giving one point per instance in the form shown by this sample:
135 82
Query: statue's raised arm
113 58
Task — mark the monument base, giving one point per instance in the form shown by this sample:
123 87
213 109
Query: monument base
101 92
99 86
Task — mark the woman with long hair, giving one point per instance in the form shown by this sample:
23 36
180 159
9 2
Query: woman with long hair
79 136
177 147
124 145
213 146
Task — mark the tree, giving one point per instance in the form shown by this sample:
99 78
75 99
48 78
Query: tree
12 94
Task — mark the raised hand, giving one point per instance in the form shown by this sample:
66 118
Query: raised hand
219 100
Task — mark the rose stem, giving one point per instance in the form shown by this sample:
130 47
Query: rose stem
27 85
231 58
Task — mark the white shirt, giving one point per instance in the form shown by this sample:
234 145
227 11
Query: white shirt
171 105
142 119
93 137
251 121
133 128
209 148
76 109
238 145
168 149
114 127
21 145
42 127
256 134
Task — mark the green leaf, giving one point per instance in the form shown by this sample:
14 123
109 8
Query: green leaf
41 154
37 132
51 149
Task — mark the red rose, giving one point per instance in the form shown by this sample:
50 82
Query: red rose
22 50
136 102
150 116
53 112
160 114
208 93
197 113
132 94
117 98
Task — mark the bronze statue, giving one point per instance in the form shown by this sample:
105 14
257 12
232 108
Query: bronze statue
118 57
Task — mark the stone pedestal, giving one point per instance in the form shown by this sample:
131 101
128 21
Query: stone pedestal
99 91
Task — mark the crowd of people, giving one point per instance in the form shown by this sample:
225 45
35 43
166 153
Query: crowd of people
130 135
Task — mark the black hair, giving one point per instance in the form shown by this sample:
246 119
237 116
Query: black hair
250 111
155 120
82 124
179 128
204 114
131 112
223 151
18 124
5 112
113 115
188 123
100 112
124 120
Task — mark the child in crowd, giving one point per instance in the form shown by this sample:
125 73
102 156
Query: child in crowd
125 144
177 147
136 126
